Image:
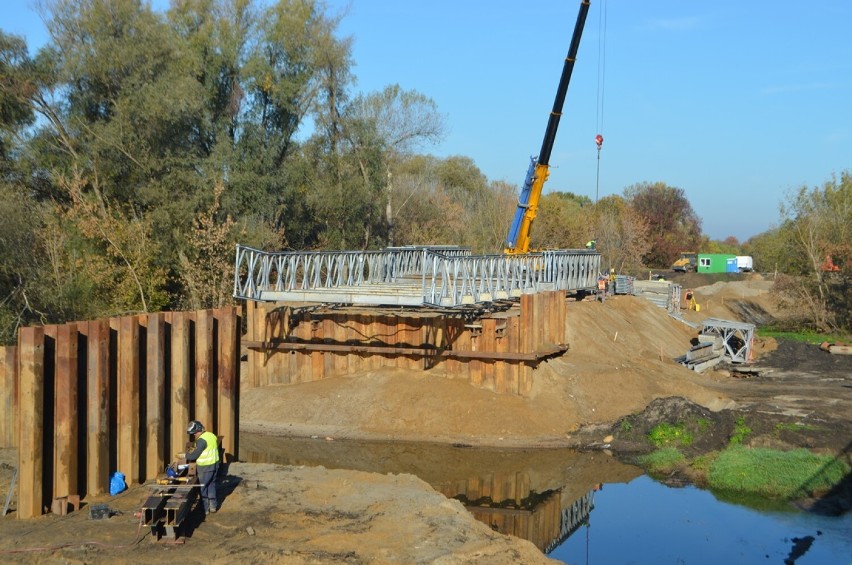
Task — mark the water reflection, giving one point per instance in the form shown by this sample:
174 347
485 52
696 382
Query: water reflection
542 495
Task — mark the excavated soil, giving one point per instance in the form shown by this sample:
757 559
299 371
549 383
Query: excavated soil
620 367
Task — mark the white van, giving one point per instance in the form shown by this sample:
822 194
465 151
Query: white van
745 264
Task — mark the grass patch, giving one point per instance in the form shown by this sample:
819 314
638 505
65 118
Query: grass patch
794 427
775 474
626 426
741 431
806 336
702 462
663 460
669 434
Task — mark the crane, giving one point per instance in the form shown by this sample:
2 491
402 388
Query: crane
518 240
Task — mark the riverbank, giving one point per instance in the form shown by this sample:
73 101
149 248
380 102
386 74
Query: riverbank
620 368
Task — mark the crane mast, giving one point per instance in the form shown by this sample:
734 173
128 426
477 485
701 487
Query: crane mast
518 240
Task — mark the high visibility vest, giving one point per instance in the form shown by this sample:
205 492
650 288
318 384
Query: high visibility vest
210 455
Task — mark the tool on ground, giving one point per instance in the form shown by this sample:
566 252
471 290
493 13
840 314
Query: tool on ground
172 499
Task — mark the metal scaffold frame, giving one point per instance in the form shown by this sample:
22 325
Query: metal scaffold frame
408 276
737 337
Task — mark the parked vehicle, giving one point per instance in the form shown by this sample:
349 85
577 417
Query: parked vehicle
686 263
745 263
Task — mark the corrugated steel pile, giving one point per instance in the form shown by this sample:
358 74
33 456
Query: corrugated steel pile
624 284
662 293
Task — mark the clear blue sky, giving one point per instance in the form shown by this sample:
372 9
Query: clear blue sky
736 102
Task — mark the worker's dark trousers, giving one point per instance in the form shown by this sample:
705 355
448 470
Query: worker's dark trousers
207 478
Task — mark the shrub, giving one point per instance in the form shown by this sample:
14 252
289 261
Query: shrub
669 434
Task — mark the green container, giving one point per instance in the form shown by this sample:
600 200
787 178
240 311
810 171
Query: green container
713 262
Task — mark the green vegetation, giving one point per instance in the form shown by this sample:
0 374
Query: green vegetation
805 336
662 460
666 434
776 474
741 431
794 427
626 426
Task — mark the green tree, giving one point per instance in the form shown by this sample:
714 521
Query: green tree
563 221
673 226
819 222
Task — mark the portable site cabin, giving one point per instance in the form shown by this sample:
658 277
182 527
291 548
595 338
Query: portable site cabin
716 263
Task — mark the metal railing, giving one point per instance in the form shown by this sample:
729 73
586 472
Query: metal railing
434 276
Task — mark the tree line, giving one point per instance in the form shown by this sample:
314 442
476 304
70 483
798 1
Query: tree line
138 147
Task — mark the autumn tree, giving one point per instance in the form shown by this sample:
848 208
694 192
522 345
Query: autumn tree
673 226
563 221
621 235
818 223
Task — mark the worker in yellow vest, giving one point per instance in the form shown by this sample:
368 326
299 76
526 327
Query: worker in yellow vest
206 457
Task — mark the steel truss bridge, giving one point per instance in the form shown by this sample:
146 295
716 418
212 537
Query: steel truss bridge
436 276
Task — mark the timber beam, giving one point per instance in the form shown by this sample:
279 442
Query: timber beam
534 356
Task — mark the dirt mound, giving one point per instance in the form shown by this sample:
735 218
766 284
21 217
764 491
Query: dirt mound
621 358
750 300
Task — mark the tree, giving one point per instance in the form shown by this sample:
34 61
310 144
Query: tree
673 225
392 123
15 113
621 235
563 221
819 221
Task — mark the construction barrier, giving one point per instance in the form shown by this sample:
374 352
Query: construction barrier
85 399
498 351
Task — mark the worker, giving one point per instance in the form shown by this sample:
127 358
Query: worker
206 457
591 244
612 274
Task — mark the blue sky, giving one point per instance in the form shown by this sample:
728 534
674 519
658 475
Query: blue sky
735 102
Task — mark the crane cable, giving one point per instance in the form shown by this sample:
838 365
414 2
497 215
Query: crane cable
602 13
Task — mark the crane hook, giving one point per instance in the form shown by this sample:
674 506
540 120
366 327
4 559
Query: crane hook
599 141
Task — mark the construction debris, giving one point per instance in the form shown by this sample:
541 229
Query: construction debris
709 352
838 348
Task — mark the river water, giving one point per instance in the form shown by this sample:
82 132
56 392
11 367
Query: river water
583 508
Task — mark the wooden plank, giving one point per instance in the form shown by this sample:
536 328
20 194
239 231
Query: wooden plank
155 396
391 338
251 356
128 399
8 396
65 433
527 333
181 377
317 362
205 383
339 335
488 343
276 366
328 337
97 407
228 380
462 343
513 340
31 404
501 368
475 365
